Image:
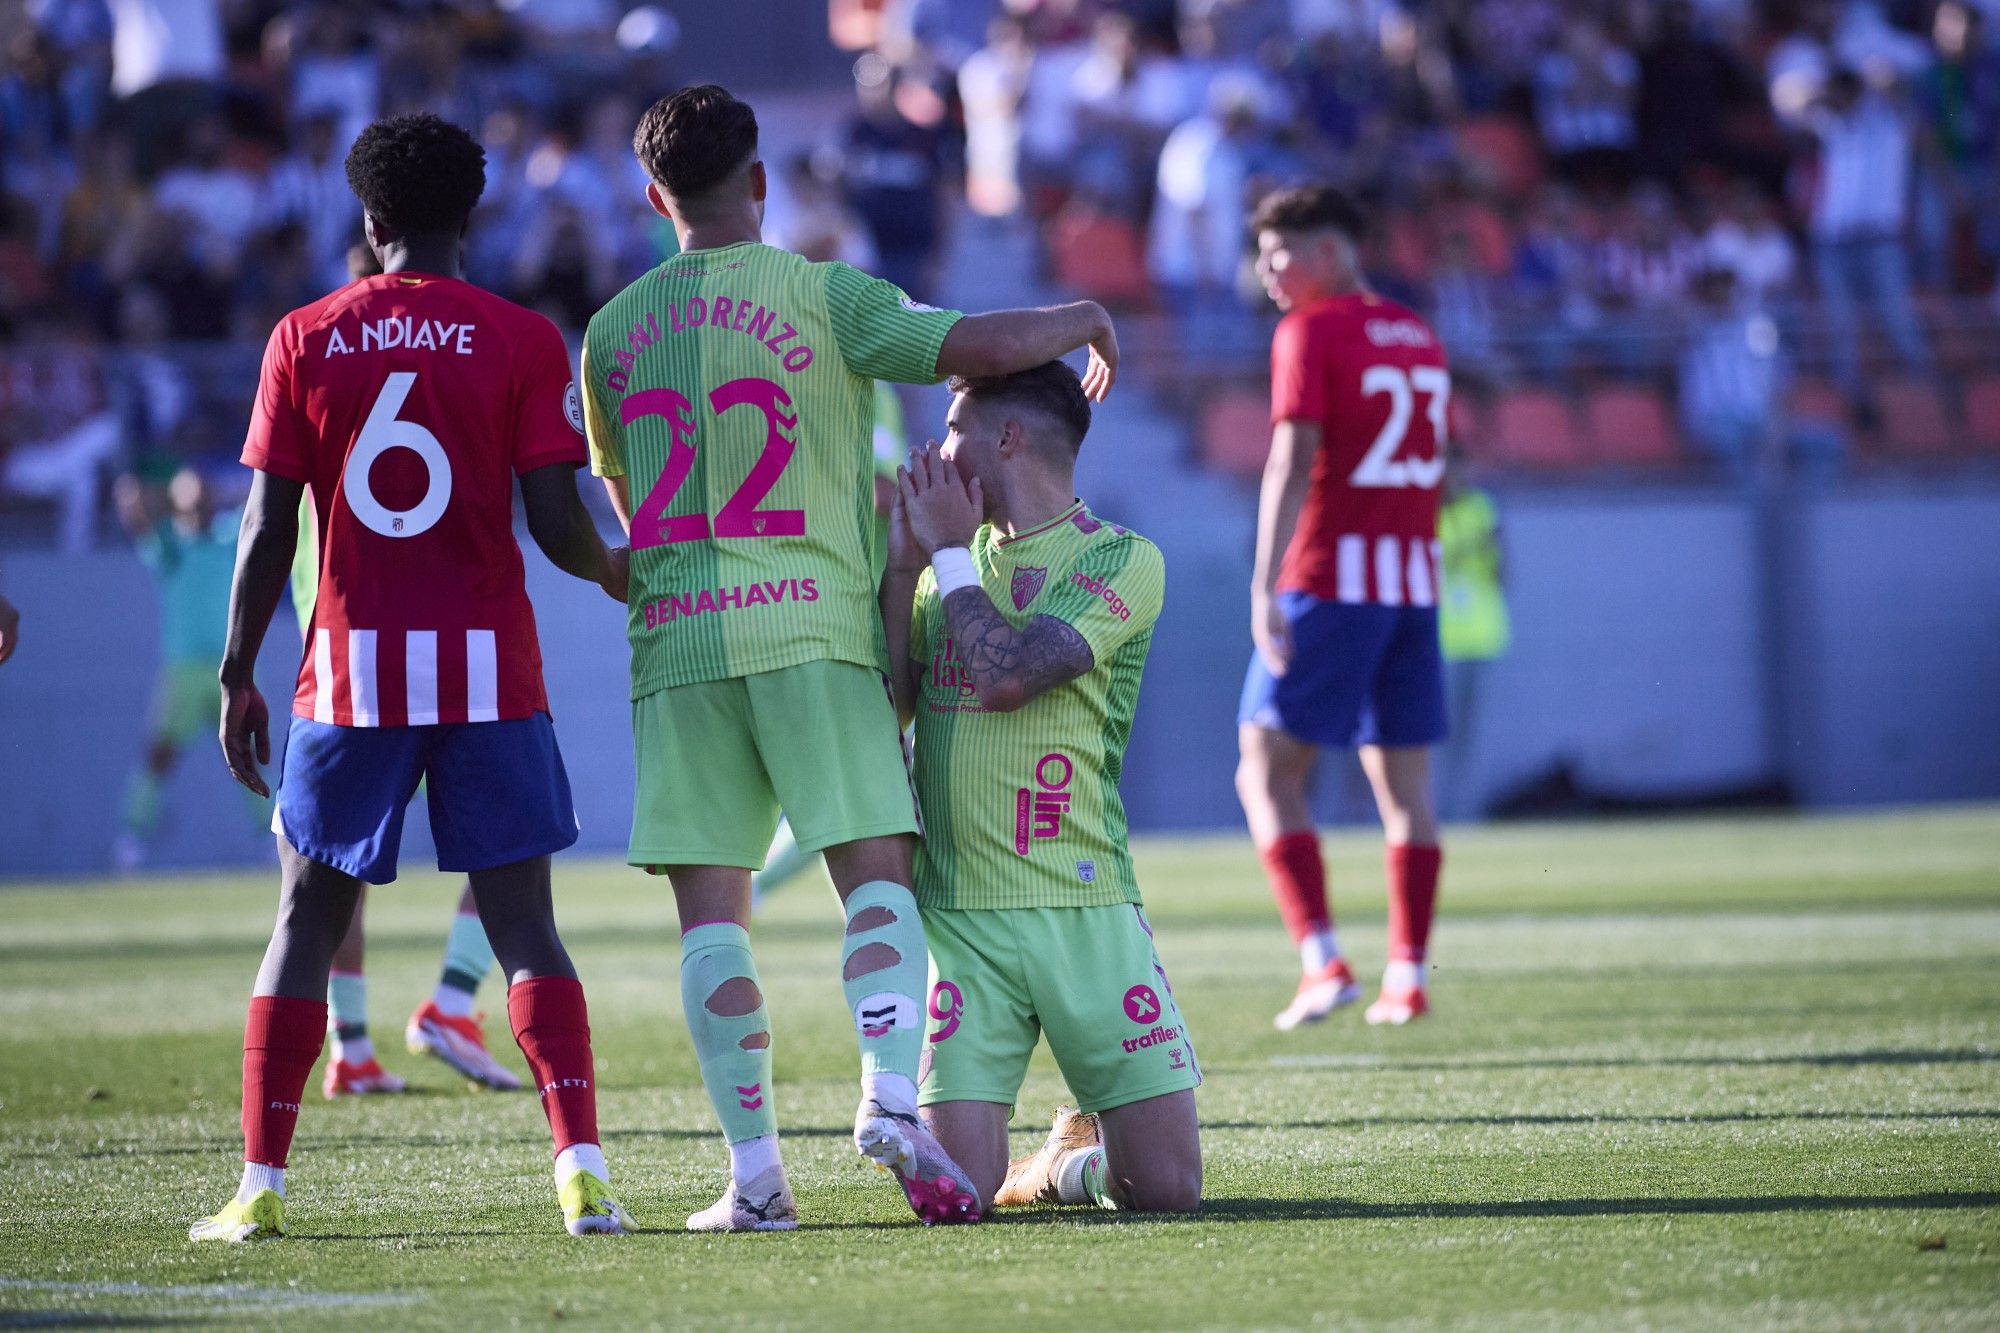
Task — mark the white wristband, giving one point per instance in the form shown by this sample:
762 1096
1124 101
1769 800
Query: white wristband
953 567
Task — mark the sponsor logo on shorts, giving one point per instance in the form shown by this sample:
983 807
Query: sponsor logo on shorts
1177 1058
947 1003
1142 1004
1038 812
1159 1036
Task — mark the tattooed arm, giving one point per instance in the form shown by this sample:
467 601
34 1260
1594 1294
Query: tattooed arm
1009 667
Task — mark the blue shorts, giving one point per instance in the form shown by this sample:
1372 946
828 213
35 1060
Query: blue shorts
1361 674
497 793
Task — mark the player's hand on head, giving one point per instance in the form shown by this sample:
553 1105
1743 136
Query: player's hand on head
1272 634
246 735
942 510
1103 363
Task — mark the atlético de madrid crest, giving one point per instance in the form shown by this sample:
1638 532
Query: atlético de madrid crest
1027 583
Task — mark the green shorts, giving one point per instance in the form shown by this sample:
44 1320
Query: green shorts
717 760
187 702
1088 976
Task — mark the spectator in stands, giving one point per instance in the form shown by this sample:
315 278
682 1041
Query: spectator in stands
1959 101
1689 86
896 157
1730 375
1129 96
77 432
992 83
307 189
1465 300
816 220
1585 90
107 203
1747 240
212 200
1646 269
1858 219
1553 278
1197 239
150 389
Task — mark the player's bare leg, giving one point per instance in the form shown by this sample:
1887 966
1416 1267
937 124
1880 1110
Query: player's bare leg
1272 775
1142 1157
353 1071
1401 779
546 1009
282 1038
975 1134
724 1004
884 969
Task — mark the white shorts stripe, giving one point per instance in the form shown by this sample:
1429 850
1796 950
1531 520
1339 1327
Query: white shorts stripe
1351 568
364 693
323 675
1389 571
482 677
420 671
1422 592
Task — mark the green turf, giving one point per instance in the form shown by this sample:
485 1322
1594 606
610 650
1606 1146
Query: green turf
1699 1073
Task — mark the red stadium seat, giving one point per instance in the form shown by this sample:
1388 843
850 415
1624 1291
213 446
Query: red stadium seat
1536 428
1100 256
1236 432
1982 413
1506 150
1631 425
1817 402
1915 416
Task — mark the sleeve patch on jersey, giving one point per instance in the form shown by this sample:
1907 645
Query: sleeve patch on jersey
918 307
573 407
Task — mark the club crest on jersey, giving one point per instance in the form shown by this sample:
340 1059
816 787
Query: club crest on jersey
1028 583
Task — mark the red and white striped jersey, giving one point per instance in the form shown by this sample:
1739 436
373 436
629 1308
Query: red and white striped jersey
408 403
1372 376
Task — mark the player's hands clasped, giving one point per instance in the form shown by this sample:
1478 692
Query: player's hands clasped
246 735
940 508
1271 632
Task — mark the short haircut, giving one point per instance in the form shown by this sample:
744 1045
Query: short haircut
689 143
1051 388
1310 208
417 175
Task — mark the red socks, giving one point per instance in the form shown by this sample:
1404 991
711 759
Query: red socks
282 1039
1413 887
1298 882
553 1029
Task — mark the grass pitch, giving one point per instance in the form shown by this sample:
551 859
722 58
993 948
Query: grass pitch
1698 1073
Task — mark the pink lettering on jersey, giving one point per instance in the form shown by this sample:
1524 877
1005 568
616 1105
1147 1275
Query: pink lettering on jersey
663 611
1097 587
1038 813
725 314
949 673
719 313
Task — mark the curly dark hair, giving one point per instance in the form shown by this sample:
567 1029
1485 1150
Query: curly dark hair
1051 388
1310 208
417 175
690 142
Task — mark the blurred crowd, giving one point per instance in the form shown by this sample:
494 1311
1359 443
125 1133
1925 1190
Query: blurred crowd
1564 187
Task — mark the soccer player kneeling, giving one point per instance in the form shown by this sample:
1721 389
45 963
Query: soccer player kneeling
1020 624
422 661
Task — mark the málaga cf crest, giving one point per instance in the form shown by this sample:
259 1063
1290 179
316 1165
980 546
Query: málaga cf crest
1028 582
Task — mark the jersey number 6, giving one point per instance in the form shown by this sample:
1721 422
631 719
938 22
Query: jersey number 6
739 515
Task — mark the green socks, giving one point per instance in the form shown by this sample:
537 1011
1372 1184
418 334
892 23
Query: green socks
731 1028
467 956
883 970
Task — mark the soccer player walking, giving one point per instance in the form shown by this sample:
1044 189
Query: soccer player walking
409 402
1344 599
729 400
1019 623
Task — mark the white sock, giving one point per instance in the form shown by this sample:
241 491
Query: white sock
1318 949
356 1051
752 1158
1403 976
893 1092
581 1157
257 1178
452 1002
1069 1175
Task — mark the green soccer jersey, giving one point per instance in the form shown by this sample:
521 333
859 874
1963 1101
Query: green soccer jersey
1022 809
732 388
